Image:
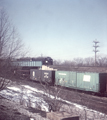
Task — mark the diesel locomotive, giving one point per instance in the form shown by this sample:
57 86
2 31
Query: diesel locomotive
21 67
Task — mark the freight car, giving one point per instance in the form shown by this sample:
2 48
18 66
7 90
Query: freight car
86 81
44 76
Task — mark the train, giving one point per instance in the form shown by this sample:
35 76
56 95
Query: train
21 67
87 79
90 82
32 62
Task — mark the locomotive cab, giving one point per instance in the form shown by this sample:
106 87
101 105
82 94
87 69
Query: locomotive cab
47 61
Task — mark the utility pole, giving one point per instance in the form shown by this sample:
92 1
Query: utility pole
95 48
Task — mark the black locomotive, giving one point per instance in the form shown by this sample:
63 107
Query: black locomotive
22 66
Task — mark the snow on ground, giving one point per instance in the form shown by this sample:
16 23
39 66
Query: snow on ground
90 112
30 96
25 96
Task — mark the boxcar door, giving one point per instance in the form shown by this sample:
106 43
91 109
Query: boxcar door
106 83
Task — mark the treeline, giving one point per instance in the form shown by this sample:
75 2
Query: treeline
89 61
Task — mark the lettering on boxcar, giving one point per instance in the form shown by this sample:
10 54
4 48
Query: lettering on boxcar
46 75
62 74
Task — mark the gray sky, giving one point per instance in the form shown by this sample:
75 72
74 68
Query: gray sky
61 29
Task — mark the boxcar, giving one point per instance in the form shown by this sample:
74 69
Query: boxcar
42 76
65 78
86 81
95 82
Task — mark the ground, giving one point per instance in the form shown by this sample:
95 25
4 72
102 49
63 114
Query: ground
11 110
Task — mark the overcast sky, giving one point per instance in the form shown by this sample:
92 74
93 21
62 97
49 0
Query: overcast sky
61 29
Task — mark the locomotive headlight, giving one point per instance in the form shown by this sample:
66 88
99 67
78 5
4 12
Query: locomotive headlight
46 61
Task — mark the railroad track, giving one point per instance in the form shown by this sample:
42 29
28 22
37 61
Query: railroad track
90 101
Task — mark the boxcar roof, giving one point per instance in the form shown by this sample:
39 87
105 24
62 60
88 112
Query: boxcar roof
80 69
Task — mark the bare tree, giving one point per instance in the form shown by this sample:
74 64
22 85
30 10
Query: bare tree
89 61
57 62
52 95
78 61
68 63
102 60
10 42
10 47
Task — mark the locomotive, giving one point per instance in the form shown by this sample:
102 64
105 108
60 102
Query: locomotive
21 67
